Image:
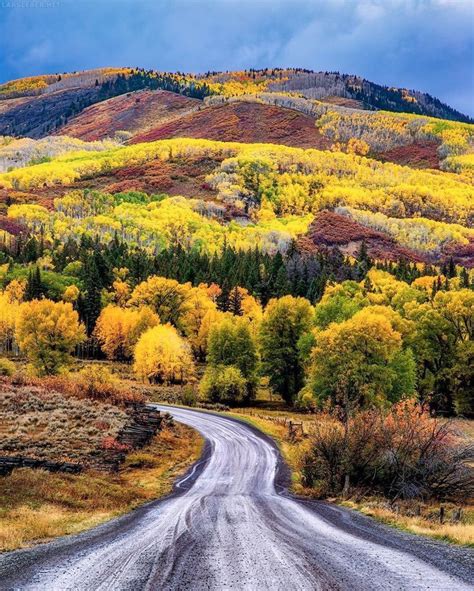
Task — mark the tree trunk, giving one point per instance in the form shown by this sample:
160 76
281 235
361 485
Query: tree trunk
345 490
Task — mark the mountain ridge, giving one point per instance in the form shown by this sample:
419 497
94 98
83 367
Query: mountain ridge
40 105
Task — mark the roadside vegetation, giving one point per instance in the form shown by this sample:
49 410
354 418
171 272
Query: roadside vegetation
70 456
298 436
37 505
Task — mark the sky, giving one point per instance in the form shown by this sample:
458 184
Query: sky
426 45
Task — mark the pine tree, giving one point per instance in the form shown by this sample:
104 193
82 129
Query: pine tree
464 278
30 251
282 285
368 285
91 303
363 259
235 302
223 298
451 268
34 285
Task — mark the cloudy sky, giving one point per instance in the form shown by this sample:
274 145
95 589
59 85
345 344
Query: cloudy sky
423 44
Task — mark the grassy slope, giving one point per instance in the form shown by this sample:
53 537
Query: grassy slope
36 505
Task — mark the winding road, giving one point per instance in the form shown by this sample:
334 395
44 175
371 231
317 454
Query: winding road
231 525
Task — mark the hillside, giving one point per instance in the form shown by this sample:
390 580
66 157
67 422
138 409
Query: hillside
341 89
273 193
134 112
322 85
242 122
37 106
401 183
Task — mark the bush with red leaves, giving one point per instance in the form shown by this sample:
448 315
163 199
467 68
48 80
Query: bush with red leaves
402 453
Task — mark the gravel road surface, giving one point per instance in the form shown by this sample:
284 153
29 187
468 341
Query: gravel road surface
231 525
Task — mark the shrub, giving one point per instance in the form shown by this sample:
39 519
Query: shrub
98 383
94 382
188 396
305 401
7 367
323 464
402 453
223 384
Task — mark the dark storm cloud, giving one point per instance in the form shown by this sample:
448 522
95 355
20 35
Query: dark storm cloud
422 44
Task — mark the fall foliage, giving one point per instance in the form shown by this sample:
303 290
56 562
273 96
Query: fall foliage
48 332
161 355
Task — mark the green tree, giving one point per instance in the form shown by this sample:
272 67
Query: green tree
442 327
284 322
231 343
354 363
340 302
223 383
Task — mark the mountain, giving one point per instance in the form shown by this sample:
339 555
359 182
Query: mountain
296 155
38 106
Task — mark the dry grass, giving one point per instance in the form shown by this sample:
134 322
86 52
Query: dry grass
44 424
38 505
465 427
425 524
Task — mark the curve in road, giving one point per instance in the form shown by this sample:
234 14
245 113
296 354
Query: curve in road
227 527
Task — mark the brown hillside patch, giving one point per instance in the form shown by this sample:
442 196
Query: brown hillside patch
44 424
186 176
135 112
417 155
243 122
332 229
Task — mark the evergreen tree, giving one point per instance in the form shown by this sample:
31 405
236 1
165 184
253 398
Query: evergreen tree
363 259
451 268
235 302
224 296
91 301
35 289
30 251
464 278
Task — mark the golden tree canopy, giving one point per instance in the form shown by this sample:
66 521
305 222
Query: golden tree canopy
118 329
47 333
161 355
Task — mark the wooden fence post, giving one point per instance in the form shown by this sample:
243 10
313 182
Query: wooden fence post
441 514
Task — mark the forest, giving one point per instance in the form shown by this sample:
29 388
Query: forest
110 287
117 267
